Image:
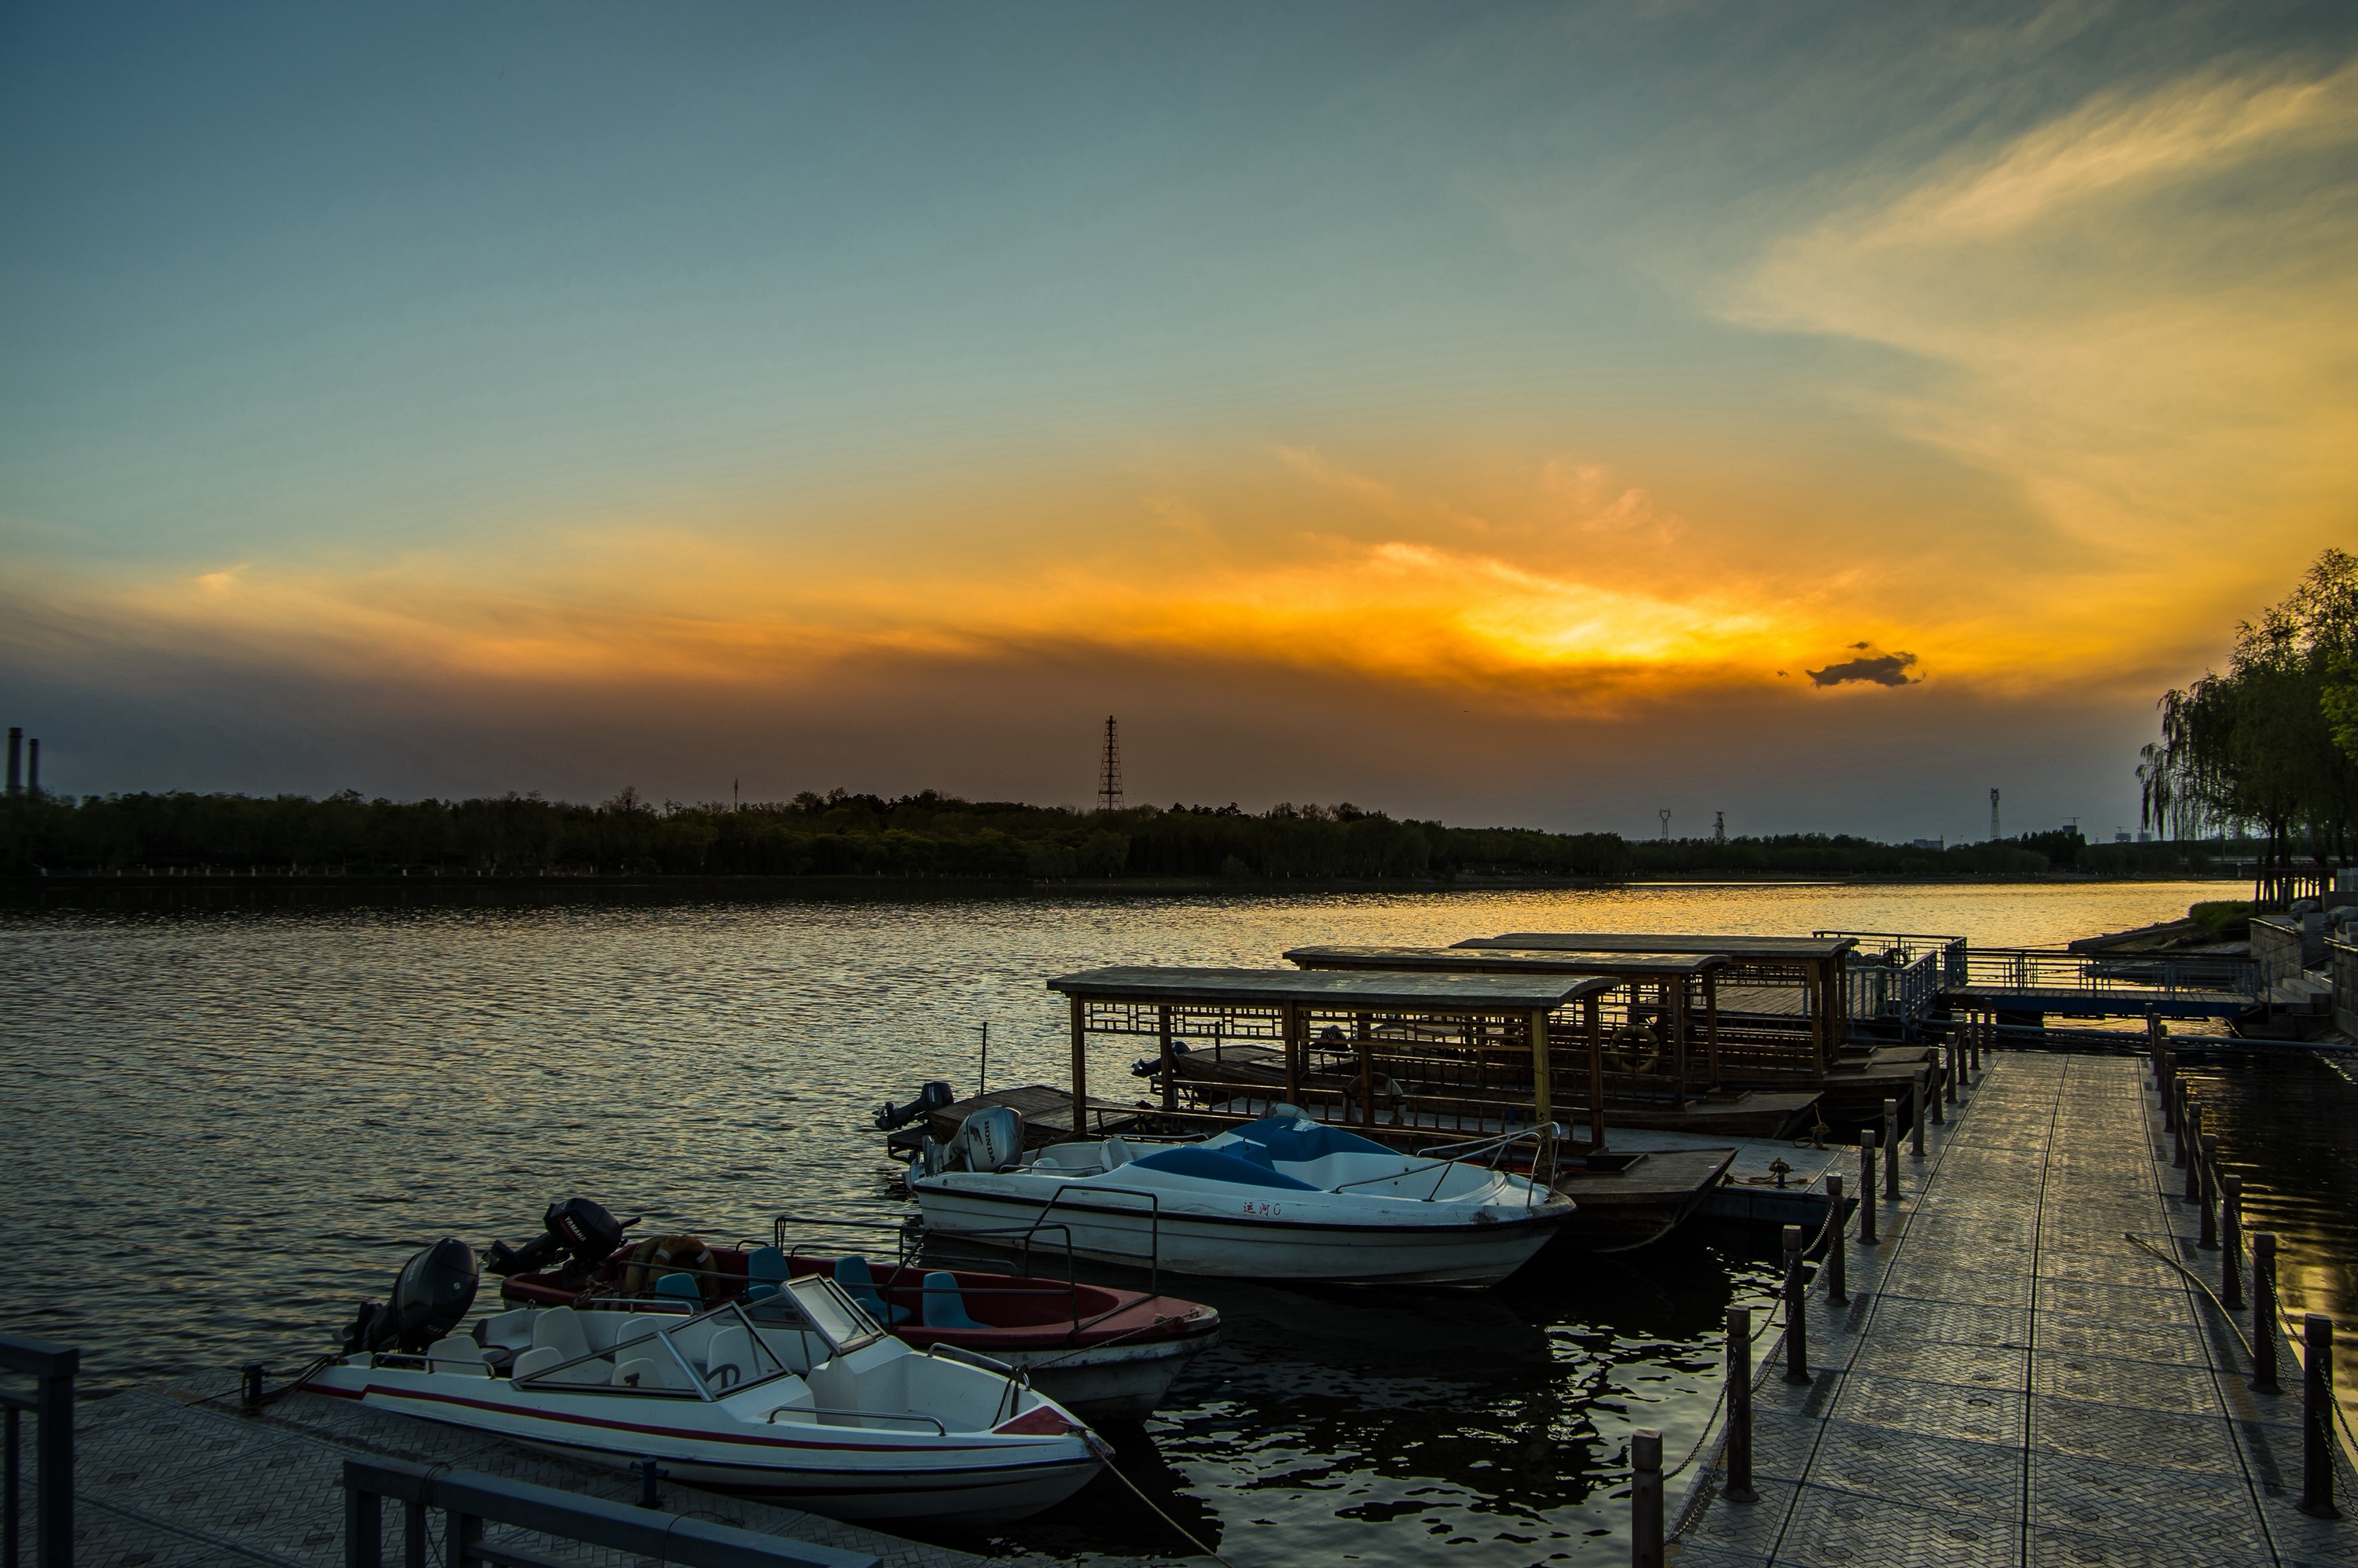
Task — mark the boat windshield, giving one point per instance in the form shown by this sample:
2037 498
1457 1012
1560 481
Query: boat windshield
832 1314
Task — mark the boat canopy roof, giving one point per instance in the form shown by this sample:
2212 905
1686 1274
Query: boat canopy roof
1754 949
1499 960
1329 989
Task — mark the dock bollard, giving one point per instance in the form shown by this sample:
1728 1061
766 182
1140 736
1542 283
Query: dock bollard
1796 1311
2192 1124
2178 1121
2263 1313
2210 1179
1837 1253
1916 1139
1952 1060
2317 1419
1645 1499
249 1395
650 1471
1934 1090
2230 1241
1739 1408
1890 1148
1866 1186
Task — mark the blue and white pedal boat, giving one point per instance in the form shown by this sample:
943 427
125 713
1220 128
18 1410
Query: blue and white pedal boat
1285 1198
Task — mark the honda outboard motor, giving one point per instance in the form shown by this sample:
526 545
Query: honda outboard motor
989 1139
432 1293
930 1098
582 1233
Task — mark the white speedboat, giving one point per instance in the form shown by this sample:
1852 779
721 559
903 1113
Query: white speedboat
802 1396
1284 1197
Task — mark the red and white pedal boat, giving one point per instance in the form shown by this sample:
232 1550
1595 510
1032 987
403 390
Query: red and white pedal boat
1104 1354
801 1397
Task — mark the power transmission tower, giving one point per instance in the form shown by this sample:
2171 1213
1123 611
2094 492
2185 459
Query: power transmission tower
1993 817
1719 828
1109 773
1665 815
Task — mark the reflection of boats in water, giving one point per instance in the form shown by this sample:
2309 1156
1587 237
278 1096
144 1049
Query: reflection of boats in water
799 1396
1284 1198
1107 1354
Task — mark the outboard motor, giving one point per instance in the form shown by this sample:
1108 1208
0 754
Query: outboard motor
582 1232
930 1098
989 1139
432 1293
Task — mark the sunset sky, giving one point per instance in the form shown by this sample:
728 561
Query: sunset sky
1490 412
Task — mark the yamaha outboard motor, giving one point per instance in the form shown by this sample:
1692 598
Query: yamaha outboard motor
432 1293
930 1098
582 1233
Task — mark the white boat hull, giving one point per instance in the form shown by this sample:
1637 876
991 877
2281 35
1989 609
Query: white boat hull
1482 1253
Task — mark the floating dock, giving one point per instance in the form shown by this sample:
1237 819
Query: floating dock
2016 1382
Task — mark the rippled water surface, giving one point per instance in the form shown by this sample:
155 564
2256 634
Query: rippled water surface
224 1129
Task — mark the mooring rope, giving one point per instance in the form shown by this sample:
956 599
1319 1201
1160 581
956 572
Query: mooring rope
1104 1451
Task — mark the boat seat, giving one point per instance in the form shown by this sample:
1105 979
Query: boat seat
559 1330
656 1371
765 1273
457 1353
639 1325
511 1329
680 1287
851 1273
533 1362
729 1359
1117 1153
944 1305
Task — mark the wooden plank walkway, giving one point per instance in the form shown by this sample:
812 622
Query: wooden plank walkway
2015 1383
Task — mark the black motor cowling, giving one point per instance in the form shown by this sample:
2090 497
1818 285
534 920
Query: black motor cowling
432 1293
930 1098
582 1233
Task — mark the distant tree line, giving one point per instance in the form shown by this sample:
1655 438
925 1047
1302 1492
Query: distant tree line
2272 742
926 836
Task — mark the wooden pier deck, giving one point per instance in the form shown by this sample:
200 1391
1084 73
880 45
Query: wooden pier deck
2015 1383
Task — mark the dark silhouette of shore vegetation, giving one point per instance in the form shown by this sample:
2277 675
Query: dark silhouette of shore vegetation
934 836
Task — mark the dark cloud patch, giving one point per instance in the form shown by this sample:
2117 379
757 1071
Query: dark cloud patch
1878 669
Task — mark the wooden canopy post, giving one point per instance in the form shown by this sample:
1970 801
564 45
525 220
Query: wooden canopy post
1674 998
1543 1102
1838 1027
1290 1026
1361 1026
1170 1089
1711 1024
1594 1019
1814 986
1080 1070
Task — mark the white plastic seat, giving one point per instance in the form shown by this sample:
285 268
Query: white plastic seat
729 1359
533 1363
511 1329
651 1371
560 1331
457 1353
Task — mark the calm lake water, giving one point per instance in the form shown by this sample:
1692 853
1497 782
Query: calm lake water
228 1128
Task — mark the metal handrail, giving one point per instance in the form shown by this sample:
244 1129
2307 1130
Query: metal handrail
1550 1133
469 1502
1154 1236
940 1430
695 1382
53 1367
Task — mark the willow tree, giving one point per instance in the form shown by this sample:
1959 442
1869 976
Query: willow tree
2263 742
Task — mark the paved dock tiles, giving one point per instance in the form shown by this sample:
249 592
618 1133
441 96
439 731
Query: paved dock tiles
2014 1383
162 1482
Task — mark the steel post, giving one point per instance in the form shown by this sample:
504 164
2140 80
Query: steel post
1796 1311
